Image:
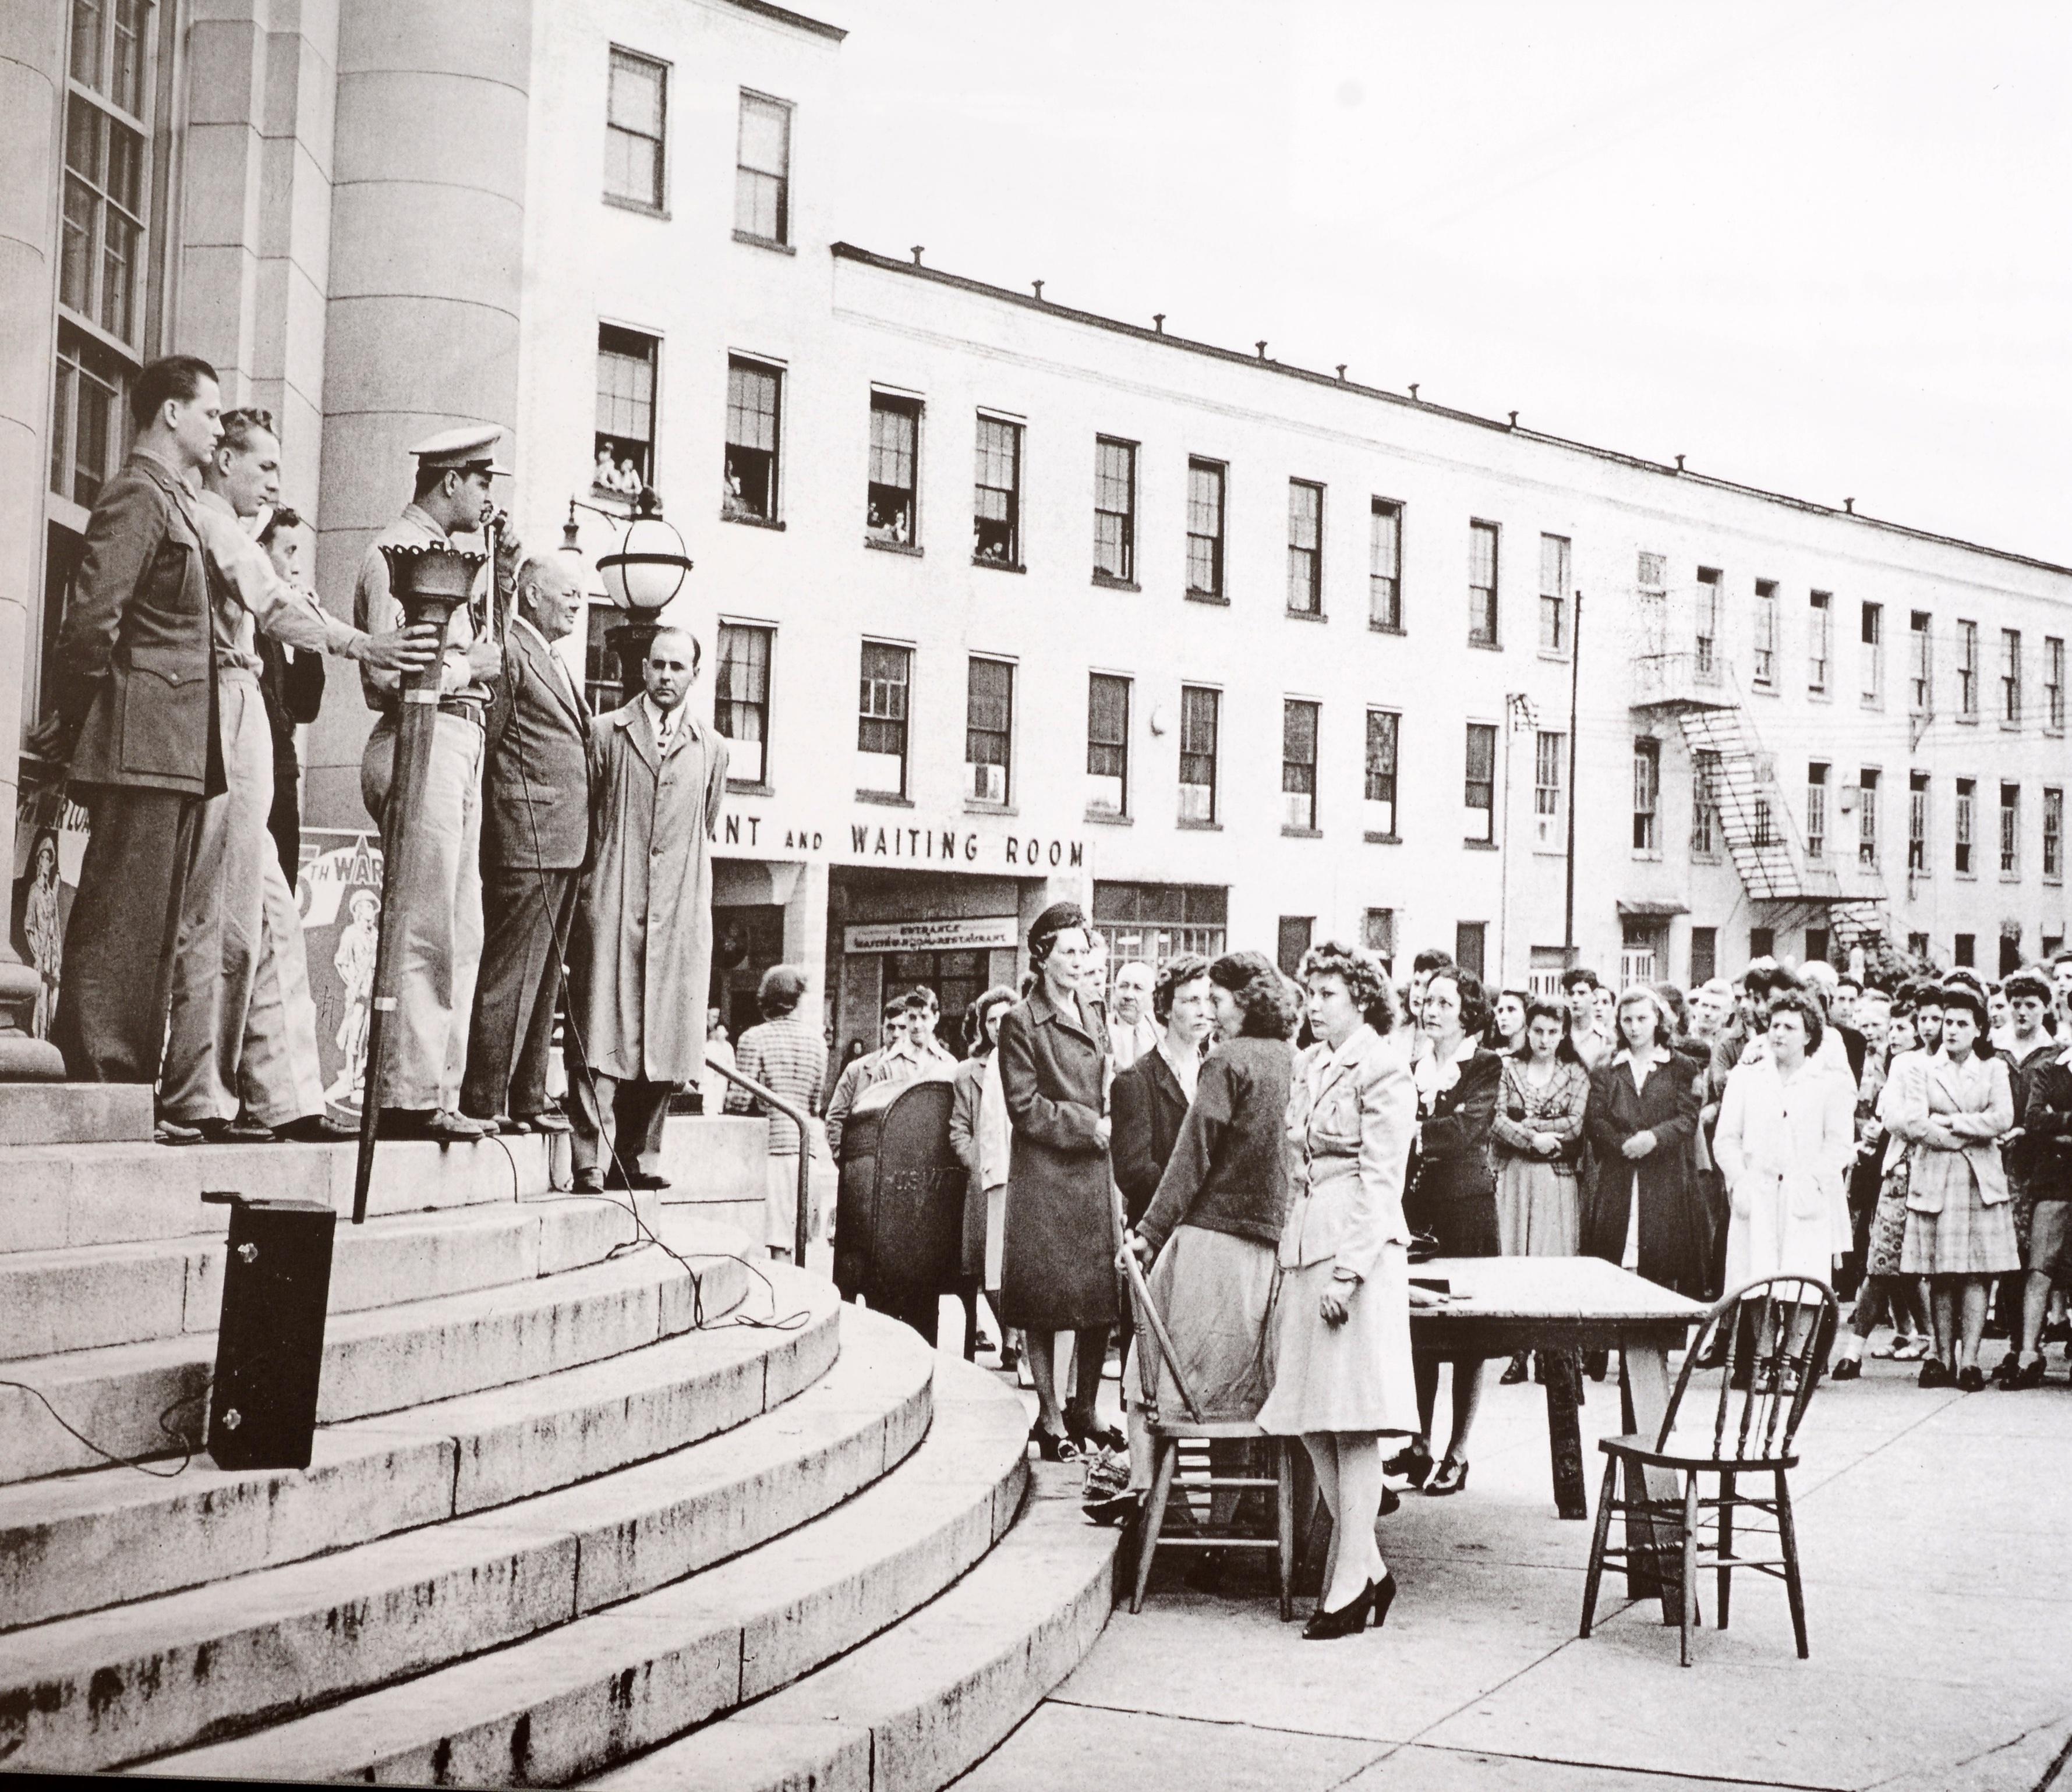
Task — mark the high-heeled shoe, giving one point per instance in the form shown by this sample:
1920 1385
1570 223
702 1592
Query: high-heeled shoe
1413 1463
1384 1596
1051 1445
1324 1627
1515 1371
1451 1478
1123 1508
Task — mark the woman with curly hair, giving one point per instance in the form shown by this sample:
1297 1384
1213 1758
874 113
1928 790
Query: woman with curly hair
1340 1330
1452 1196
1057 1255
1210 1232
1539 1134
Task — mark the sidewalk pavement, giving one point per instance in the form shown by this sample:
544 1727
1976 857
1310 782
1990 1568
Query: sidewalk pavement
1938 1585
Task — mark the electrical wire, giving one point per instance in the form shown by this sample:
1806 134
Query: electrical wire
137 1462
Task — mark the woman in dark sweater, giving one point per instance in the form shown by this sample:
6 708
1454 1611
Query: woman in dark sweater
1212 1230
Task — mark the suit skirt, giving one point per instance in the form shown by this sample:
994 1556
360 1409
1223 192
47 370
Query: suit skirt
1352 1378
1968 1237
1214 1290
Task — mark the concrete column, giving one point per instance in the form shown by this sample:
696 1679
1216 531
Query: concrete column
421 327
32 49
806 929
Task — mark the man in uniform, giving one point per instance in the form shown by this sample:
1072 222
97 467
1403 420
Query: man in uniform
439 950
243 1023
134 688
535 841
641 964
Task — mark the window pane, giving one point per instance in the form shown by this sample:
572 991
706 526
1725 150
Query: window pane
1107 742
752 398
995 505
889 500
766 133
1205 529
1114 477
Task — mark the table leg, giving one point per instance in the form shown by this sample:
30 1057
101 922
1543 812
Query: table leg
1644 1392
1564 1434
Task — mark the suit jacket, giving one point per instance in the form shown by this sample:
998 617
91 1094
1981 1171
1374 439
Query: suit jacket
1454 1160
136 658
1146 1108
1351 1114
536 784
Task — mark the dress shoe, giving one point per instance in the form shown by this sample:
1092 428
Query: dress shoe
1123 1507
440 1126
1971 1380
1326 1626
587 1181
1412 1464
170 1131
1848 1368
1515 1371
633 1178
2027 1375
503 1124
1452 1477
237 1131
552 1120
1385 1596
1934 1373
315 1129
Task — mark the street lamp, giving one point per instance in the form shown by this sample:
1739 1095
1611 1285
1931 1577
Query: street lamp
642 577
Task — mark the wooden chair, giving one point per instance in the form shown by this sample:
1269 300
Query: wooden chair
1780 1325
1166 1440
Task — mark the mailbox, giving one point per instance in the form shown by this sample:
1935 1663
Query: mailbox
899 1213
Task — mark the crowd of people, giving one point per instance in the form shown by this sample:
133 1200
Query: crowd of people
546 838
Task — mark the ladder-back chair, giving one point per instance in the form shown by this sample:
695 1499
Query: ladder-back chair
1166 1440
1779 1326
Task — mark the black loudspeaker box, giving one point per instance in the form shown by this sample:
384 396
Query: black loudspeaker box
269 1345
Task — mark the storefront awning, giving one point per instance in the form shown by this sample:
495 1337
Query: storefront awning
1647 909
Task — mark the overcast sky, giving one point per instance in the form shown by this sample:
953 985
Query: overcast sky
1823 248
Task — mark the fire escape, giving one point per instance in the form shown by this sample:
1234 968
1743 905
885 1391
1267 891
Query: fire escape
1680 672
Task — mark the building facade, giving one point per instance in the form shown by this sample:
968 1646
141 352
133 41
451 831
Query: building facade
1001 600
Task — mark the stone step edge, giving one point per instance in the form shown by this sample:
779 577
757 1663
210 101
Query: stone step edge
926 1701
570 1700
116 1394
135 1270
375 1477
305 1643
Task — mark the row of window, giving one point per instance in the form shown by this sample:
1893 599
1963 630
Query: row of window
742 701
1766 674
637 144
1825 799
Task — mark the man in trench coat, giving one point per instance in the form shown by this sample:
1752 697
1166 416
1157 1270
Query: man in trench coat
641 955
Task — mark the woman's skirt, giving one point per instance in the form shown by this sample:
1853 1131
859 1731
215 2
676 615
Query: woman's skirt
1538 1212
1350 1378
1968 1238
1214 1291
996 1233
1888 1240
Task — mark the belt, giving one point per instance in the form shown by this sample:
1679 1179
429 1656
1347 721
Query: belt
461 706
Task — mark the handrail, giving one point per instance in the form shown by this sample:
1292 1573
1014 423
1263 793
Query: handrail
799 1118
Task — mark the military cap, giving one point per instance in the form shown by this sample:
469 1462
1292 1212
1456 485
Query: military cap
473 445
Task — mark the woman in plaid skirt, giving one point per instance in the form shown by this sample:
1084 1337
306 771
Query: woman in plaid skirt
1959 1221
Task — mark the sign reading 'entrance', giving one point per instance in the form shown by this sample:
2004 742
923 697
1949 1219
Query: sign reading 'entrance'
952 934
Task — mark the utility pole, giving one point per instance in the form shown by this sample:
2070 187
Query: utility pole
1520 717
1568 892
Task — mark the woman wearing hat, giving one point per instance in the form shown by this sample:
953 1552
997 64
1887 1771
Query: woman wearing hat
1058 1254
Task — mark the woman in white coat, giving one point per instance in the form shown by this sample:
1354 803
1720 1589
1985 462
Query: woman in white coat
1786 1140
1339 1334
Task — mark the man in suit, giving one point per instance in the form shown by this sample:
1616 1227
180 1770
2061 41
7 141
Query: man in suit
291 680
641 959
535 843
136 723
439 948
1131 1030
1148 1101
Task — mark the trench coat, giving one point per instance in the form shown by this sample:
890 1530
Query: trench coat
1058 1264
640 954
1785 1149
1675 1243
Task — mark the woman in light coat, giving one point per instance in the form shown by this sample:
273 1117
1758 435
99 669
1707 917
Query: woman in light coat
1786 1140
985 1170
1340 1331
1960 1219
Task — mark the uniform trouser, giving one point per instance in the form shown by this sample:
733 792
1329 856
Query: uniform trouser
610 1110
116 984
280 1077
440 951
221 920
526 916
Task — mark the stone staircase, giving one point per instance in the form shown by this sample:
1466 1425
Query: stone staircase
573 1514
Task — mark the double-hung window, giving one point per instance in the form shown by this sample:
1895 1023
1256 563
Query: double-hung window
1482 585
1479 793
1967 672
1868 781
889 518
1921 636
1705 804
882 709
636 109
1385 729
1917 822
741 700
624 440
1966 821
2010 832
1298 766
997 496
1384 566
989 728
1305 548
1108 744
1115 510
763 169
1553 594
754 394
2010 678
1205 529
1201 722
1764 672
1819 641
1548 751
1646 796
2054 684
1705 633
1816 810
2053 835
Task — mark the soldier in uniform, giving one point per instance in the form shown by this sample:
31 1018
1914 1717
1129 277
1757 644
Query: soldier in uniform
440 948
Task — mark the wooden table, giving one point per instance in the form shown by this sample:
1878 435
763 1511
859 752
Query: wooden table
1497 1306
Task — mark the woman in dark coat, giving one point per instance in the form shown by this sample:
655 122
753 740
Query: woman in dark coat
1058 1272
1453 1195
1148 1101
1646 1211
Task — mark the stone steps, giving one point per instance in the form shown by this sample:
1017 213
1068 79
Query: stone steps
55 1197
378 1361
76 1542
587 1695
86 1296
929 1698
